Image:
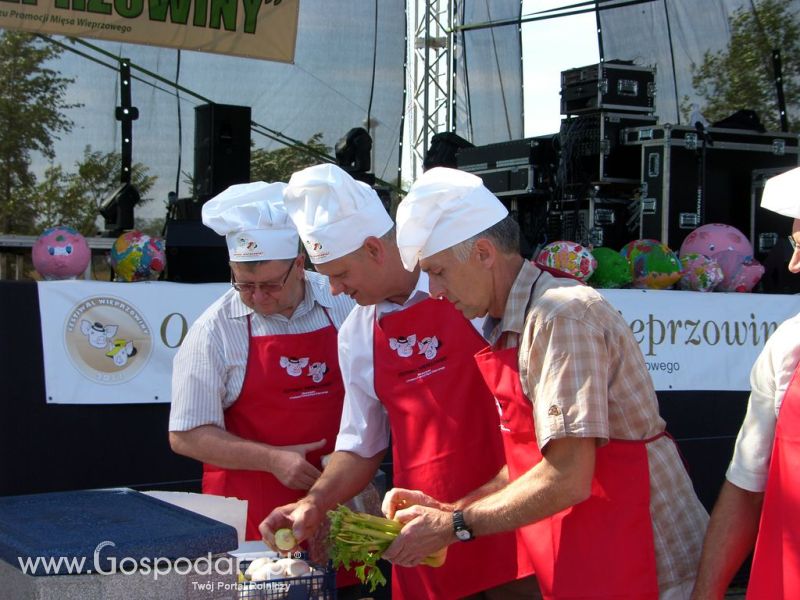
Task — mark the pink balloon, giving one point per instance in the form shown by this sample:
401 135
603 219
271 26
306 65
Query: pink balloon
60 253
709 240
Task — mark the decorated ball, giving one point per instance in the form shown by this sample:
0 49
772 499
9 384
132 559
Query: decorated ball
700 273
713 238
136 256
613 270
653 264
60 253
740 272
569 257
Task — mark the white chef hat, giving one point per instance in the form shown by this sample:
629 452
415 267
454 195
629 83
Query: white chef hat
333 212
254 222
782 194
444 207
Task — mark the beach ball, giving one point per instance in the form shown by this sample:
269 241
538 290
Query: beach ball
613 270
60 253
653 264
569 257
136 256
713 238
700 273
740 272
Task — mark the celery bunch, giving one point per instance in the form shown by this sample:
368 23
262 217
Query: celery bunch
363 538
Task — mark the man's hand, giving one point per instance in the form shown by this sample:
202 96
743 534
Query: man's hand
291 467
400 498
425 531
301 517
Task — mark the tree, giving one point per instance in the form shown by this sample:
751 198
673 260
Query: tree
31 118
74 198
278 165
742 77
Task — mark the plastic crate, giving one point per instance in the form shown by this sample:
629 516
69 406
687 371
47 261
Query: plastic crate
319 586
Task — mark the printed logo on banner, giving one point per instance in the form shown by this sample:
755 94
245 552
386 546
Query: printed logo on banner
107 339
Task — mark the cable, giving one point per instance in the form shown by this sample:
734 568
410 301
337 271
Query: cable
672 59
499 74
180 125
542 16
374 60
278 136
467 96
401 132
255 127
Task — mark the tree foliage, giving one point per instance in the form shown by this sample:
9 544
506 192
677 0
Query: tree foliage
742 76
32 101
74 198
278 165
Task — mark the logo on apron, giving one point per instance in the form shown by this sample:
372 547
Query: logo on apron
404 346
294 366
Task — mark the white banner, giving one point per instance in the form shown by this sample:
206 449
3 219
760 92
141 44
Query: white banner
701 341
113 343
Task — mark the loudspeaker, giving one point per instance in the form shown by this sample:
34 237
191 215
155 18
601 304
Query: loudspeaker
221 148
195 254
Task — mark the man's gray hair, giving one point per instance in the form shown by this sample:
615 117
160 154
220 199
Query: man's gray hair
504 234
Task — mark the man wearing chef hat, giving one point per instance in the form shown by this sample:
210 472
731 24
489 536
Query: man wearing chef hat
599 491
407 366
256 388
758 504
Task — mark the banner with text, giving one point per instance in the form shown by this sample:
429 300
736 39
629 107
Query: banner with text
113 343
697 341
253 28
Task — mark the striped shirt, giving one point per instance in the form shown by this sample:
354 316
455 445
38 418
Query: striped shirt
209 367
586 377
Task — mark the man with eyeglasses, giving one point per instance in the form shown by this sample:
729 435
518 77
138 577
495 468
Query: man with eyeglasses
759 504
256 387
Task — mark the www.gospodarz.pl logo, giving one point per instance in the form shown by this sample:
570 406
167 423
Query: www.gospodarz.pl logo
105 562
107 339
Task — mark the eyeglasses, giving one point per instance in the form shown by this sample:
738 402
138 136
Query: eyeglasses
265 287
792 242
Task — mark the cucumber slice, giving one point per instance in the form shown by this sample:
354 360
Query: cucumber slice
285 540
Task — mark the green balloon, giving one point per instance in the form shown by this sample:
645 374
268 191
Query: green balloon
613 270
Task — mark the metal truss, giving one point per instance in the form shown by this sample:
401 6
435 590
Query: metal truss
433 76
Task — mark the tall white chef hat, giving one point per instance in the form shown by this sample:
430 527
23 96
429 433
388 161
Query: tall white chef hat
782 194
444 207
253 220
333 212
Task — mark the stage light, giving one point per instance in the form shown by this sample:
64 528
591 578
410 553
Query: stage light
443 150
353 151
117 209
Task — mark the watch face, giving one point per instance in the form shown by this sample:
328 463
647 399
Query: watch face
463 535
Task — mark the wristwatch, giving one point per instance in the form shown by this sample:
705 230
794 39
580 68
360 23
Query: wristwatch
463 533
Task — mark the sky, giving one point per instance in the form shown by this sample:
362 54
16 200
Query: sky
549 47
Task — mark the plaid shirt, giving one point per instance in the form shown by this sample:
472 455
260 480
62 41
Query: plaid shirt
586 377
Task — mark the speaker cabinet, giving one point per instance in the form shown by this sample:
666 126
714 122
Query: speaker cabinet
221 148
195 254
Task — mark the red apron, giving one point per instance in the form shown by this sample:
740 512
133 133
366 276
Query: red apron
444 437
602 547
776 562
292 394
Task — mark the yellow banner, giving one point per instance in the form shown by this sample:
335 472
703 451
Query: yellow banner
265 29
